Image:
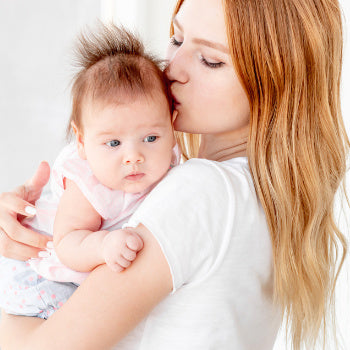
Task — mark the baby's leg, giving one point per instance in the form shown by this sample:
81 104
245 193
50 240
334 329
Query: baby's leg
53 295
24 292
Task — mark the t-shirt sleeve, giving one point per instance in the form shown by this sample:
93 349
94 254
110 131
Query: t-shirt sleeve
190 213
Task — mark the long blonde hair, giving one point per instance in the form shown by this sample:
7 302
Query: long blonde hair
288 56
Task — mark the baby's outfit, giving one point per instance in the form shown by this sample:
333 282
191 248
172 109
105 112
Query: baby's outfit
38 287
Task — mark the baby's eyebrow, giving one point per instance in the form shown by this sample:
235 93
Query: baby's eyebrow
142 128
213 45
106 133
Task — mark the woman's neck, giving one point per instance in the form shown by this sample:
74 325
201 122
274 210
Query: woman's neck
220 147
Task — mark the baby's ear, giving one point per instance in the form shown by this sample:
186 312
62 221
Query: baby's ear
174 116
80 141
174 141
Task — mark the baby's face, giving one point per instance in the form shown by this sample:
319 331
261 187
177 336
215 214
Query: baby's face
129 146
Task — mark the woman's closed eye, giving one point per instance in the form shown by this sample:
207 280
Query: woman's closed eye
211 64
174 42
203 60
113 143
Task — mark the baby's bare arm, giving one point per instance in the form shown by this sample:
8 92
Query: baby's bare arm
77 239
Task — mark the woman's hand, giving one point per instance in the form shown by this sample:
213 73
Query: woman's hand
17 241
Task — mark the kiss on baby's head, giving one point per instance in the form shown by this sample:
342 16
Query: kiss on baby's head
121 101
114 68
124 146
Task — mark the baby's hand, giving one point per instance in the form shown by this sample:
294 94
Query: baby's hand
119 249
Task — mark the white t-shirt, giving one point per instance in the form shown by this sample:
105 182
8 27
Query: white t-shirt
213 232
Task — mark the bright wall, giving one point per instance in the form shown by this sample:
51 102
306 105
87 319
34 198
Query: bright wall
35 54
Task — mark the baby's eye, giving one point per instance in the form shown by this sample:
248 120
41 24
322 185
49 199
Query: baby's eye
150 139
113 143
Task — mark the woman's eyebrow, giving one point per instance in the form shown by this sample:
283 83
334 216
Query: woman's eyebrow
205 42
211 44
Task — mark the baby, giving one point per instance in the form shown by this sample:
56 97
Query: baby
124 145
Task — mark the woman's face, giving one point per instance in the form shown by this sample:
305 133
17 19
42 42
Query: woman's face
208 96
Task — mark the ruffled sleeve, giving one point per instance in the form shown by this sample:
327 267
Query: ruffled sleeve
107 202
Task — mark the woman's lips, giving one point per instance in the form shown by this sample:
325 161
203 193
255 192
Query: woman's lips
176 102
175 107
135 177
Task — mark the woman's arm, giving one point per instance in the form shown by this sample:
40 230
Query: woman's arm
102 310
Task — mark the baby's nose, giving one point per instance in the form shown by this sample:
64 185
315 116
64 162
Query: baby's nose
133 158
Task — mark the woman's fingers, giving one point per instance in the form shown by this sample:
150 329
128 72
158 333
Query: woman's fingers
15 250
21 199
17 241
32 189
19 233
12 202
40 178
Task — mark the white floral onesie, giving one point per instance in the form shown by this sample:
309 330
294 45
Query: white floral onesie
40 286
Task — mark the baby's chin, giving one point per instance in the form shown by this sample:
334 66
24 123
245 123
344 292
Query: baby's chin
134 188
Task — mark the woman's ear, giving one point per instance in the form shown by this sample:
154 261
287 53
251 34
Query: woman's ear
80 140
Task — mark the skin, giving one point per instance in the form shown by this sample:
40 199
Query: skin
210 103
134 138
131 138
199 54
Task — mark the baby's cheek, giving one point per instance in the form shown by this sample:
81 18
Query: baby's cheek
163 164
107 176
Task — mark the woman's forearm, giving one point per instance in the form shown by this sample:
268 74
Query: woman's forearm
89 320
102 310
15 331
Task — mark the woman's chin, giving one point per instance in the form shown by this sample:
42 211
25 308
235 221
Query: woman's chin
186 128
183 124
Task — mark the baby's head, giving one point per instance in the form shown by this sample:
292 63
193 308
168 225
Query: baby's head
121 113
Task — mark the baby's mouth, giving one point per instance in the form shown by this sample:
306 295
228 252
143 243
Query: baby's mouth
135 176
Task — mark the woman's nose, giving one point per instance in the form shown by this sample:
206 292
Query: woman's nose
176 69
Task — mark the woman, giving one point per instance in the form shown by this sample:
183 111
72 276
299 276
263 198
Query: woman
248 232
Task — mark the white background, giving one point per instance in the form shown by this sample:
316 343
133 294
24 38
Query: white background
35 55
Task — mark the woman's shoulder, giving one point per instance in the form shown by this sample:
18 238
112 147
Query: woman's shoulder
209 175
213 167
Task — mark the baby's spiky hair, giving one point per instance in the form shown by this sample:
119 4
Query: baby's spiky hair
113 68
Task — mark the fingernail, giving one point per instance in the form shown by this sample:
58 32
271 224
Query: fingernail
49 245
30 210
43 254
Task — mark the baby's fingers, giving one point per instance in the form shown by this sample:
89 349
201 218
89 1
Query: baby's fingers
134 242
123 262
128 254
13 203
117 265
